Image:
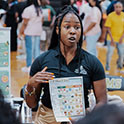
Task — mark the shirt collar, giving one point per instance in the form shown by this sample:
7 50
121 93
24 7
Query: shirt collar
57 53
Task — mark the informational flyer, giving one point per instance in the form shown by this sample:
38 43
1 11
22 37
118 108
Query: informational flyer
5 60
67 98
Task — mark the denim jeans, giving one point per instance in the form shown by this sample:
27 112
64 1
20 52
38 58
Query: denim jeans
91 43
120 51
32 44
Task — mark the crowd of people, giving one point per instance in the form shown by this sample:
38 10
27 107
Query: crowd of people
95 28
66 29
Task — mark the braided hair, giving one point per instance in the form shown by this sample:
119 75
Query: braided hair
37 7
55 39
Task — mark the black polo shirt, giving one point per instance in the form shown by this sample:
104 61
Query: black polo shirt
90 68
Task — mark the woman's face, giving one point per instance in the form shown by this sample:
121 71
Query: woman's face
118 8
70 30
92 3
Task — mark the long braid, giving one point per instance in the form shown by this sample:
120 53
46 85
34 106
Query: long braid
59 38
37 7
79 59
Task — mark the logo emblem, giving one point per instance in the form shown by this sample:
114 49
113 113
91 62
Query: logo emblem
82 70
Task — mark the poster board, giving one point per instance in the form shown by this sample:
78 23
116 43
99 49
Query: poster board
5 61
67 98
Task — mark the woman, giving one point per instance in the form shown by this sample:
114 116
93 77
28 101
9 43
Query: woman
92 29
65 58
32 29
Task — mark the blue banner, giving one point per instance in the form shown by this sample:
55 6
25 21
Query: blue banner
114 83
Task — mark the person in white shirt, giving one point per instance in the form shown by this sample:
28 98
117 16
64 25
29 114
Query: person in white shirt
92 29
32 29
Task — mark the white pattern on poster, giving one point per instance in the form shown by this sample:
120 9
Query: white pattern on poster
5 61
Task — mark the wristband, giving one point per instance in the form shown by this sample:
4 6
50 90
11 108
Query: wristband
29 93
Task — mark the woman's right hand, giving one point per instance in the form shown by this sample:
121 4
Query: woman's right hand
41 77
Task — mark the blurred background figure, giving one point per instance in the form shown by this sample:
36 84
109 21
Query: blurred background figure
79 3
3 4
49 15
115 28
92 29
62 4
22 4
11 20
32 29
85 9
2 16
3 8
104 5
65 2
73 3
111 6
106 114
110 9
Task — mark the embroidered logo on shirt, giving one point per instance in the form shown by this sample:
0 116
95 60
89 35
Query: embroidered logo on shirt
82 70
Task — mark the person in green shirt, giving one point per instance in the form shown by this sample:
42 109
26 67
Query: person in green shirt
49 19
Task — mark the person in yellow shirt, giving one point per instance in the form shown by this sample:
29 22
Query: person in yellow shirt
115 28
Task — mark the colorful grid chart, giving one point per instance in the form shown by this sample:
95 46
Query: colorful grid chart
70 99
67 97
